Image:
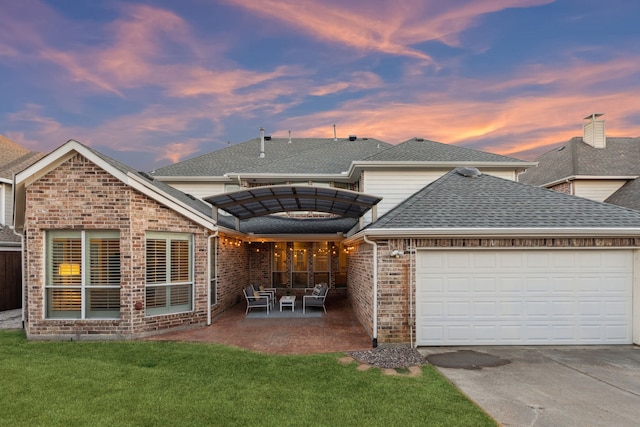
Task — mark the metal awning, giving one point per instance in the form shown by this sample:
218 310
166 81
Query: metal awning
259 201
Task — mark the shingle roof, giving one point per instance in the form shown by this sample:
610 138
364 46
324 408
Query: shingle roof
14 158
301 156
628 195
417 149
456 201
620 157
193 202
7 237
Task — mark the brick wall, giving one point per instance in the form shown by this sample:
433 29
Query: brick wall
233 275
394 276
564 188
360 284
79 195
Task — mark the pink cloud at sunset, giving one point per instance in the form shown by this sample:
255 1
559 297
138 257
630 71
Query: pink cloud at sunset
153 83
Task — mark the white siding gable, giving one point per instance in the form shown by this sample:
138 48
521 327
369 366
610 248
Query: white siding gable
395 186
597 190
199 189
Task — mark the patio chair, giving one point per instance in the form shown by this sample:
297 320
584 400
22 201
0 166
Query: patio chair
316 299
256 299
269 291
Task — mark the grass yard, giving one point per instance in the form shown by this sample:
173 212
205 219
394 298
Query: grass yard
169 383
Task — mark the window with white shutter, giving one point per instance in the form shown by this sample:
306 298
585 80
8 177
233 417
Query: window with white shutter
82 275
169 272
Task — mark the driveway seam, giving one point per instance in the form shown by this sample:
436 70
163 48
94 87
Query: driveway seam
589 375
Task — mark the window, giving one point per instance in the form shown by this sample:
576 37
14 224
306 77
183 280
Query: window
340 276
299 274
213 271
169 287
279 279
321 263
82 275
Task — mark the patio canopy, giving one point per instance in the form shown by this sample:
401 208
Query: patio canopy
259 201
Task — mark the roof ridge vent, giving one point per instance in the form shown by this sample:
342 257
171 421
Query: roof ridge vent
417 138
469 172
146 175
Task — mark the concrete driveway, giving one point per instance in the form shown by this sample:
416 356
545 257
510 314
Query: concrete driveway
553 386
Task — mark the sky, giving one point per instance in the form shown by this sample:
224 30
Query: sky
150 83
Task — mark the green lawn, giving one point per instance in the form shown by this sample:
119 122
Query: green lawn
169 383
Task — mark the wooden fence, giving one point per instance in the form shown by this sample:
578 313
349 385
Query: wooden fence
10 280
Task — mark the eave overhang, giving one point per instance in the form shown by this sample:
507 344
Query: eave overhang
590 178
472 233
358 166
69 150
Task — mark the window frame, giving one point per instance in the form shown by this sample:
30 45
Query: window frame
170 268
78 264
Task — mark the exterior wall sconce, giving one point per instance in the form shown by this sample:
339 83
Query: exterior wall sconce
397 253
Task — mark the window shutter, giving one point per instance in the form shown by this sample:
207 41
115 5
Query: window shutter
104 256
156 261
180 268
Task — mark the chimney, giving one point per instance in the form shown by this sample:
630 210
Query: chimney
593 130
262 143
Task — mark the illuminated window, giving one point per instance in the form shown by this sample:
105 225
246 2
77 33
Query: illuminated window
82 275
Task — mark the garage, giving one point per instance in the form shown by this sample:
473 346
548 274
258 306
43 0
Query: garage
524 297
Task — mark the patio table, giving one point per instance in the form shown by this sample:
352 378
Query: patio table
288 301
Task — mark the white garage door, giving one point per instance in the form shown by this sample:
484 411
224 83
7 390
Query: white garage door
496 297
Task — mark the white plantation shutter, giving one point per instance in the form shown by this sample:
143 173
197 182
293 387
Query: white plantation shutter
104 277
83 274
180 262
169 273
156 261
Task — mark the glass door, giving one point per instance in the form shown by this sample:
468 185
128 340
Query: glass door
299 272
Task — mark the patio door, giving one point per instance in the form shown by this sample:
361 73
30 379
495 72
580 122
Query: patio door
300 267
279 271
321 263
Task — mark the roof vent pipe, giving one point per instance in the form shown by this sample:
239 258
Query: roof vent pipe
289 137
335 136
262 143
593 131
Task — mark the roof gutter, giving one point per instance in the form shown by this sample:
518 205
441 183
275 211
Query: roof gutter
493 232
594 177
361 164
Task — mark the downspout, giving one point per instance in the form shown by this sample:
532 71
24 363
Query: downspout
412 285
215 271
375 290
22 254
22 279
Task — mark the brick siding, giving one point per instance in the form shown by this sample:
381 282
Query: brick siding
394 276
79 195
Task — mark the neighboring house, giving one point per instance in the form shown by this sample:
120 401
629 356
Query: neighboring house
593 166
13 158
428 252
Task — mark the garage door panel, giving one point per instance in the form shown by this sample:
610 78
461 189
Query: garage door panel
524 297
